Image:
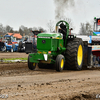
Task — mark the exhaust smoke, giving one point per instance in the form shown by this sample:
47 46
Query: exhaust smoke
62 7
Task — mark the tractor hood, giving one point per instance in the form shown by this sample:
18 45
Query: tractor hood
51 35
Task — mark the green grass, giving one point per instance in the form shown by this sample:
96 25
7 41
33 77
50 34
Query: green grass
15 59
8 60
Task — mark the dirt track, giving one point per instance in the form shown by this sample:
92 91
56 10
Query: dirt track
20 83
13 55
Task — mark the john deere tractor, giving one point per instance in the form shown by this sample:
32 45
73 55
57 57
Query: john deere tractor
59 49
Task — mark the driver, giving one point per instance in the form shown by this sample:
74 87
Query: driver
63 30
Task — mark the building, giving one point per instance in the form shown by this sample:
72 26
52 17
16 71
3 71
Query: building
15 35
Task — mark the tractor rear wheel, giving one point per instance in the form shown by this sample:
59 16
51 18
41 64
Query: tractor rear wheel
59 63
31 65
74 54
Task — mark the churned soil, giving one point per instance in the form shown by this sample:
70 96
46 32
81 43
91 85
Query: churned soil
20 83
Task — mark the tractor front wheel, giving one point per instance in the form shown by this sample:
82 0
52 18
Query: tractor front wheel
31 65
59 63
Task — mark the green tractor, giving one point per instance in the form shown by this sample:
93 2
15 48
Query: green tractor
59 49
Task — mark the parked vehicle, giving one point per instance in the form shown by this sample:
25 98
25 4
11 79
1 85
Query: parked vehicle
2 46
21 45
31 44
8 43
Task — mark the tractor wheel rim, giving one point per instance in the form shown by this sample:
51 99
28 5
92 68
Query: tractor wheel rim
33 64
62 63
80 55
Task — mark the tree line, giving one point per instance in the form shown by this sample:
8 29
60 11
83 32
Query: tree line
22 30
85 28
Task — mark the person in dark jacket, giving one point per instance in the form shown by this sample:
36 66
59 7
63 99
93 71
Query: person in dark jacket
63 30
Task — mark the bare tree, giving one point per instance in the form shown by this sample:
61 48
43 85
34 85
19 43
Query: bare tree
34 28
21 31
50 25
41 29
1 28
9 29
86 29
68 20
82 29
6 29
24 30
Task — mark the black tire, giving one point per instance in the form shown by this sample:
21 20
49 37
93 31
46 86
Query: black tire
19 49
31 66
20 46
4 48
59 63
74 54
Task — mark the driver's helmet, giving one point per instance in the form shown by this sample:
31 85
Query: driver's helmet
62 26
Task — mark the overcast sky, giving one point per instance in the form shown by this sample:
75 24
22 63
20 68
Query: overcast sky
35 13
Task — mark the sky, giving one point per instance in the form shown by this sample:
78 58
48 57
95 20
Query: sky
36 13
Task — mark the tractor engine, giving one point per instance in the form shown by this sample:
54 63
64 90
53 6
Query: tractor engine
49 42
